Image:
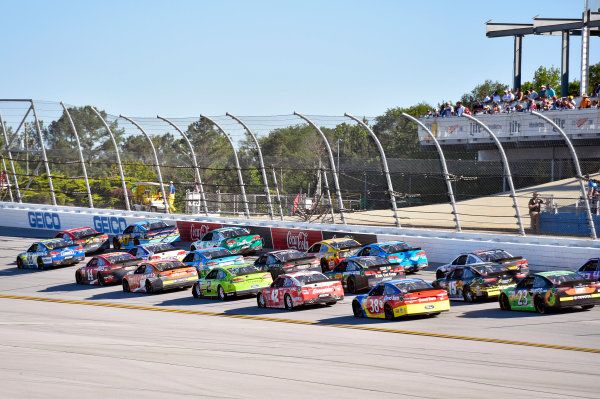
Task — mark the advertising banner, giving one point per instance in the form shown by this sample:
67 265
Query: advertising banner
294 238
193 231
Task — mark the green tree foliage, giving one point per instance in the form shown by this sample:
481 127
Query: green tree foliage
544 76
479 92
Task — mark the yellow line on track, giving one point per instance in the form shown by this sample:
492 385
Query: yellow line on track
291 321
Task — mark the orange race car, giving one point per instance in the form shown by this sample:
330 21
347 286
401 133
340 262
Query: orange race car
160 275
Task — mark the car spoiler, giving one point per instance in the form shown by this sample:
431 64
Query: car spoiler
129 262
299 260
505 260
410 249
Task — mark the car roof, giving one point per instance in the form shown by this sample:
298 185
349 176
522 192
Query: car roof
154 262
389 243
145 222
104 256
302 273
202 250
77 229
555 273
227 228
51 240
337 239
227 267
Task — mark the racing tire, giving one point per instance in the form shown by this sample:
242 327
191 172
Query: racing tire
260 300
389 313
192 248
149 288
221 293
40 264
504 303
196 291
540 305
136 241
287 301
126 286
468 294
351 286
357 310
20 263
78 277
439 274
324 266
100 279
587 307
116 243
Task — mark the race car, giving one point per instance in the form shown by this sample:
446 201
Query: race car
548 291
232 280
396 298
516 264
107 268
287 261
88 238
413 259
236 239
332 251
149 232
204 260
53 252
300 288
159 275
363 272
481 281
157 251
590 270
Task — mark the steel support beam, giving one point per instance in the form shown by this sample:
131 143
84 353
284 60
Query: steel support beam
277 192
44 157
517 62
8 186
577 170
10 159
384 165
507 173
564 65
585 51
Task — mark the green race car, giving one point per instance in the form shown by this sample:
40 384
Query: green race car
543 292
236 239
232 280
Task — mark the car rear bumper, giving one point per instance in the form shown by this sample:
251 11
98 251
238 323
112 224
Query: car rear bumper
185 282
579 300
422 308
67 261
324 299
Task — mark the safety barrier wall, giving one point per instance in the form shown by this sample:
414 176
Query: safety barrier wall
441 246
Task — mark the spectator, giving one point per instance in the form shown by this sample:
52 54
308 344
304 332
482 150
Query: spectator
535 205
460 109
585 102
506 96
595 104
486 98
448 110
487 110
530 105
550 91
171 190
429 114
532 93
497 109
596 91
519 108
518 95
496 97
542 94
592 187
571 100
566 104
478 108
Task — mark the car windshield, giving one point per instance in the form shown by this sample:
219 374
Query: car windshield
311 278
57 244
159 224
120 258
242 270
493 255
168 265
217 253
232 233
159 247
82 233
490 269
371 261
566 279
345 244
289 255
396 247
408 286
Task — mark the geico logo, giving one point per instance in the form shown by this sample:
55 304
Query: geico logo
110 224
44 220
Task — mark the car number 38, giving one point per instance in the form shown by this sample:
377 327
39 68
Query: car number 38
375 305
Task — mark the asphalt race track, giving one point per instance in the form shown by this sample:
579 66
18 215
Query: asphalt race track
59 339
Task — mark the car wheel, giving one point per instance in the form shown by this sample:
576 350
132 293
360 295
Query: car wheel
540 305
389 313
504 303
19 263
149 288
468 294
78 277
196 291
587 307
100 280
287 300
192 248
126 286
356 309
260 299
116 243
40 264
136 241
351 286
439 274
324 266
221 293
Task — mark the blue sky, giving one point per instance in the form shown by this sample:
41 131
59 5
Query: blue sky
183 58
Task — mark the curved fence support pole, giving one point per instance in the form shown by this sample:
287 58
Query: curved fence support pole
160 180
336 183
262 163
277 192
237 165
384 164
196 170
506 170
87 182
8 186
112 137
444 167
45 158
10 159
577 170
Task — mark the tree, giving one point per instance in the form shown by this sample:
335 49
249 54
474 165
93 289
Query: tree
479 92
543 77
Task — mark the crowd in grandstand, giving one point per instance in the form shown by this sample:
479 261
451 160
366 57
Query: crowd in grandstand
519 101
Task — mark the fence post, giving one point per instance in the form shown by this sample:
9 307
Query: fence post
330 202
8 186
506 169
10 159
384 164
277 192
45 158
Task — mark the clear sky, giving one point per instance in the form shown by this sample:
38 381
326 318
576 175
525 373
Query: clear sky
183 58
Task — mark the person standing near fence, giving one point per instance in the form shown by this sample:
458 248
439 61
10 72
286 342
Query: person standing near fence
535 204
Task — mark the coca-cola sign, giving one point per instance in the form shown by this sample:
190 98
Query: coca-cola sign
294 238
193 231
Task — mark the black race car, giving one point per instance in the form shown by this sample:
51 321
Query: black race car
287 261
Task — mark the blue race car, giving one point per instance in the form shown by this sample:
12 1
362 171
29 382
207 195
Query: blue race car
206 259
149 232
157 251
413 259
48 253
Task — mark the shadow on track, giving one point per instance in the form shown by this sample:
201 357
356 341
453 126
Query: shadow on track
69 287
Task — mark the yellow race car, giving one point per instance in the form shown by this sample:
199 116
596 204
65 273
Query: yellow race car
334 250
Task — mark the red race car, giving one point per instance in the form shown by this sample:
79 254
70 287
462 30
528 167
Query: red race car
300 288
88 238
107 269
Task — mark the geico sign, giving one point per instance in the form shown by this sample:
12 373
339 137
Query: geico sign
110 224
44 220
